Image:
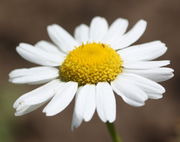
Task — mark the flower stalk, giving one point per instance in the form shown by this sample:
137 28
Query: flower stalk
112 131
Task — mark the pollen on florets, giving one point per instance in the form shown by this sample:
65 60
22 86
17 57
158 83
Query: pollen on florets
91 63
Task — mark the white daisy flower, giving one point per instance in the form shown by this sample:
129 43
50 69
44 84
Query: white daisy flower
95 64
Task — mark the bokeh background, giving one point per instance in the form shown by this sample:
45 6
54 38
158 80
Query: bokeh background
26 21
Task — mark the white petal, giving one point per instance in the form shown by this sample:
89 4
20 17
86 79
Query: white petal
35 75
38 56
144 64
157 74
155 96
125 87
27 109
38 95
62 99
130 101
61 38
132 36
81 33
98 28
146 51
105 102
153 89
49 47
76 120
116 30
85 102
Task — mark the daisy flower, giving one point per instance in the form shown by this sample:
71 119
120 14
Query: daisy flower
93 66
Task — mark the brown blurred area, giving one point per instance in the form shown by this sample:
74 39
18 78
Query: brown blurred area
26 21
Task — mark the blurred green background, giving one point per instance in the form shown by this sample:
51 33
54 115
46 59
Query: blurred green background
26 21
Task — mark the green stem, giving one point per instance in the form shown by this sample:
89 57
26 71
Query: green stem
112 131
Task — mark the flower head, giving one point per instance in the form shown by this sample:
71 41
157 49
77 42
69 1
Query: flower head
95 64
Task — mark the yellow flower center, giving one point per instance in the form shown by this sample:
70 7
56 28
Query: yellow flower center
91 63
